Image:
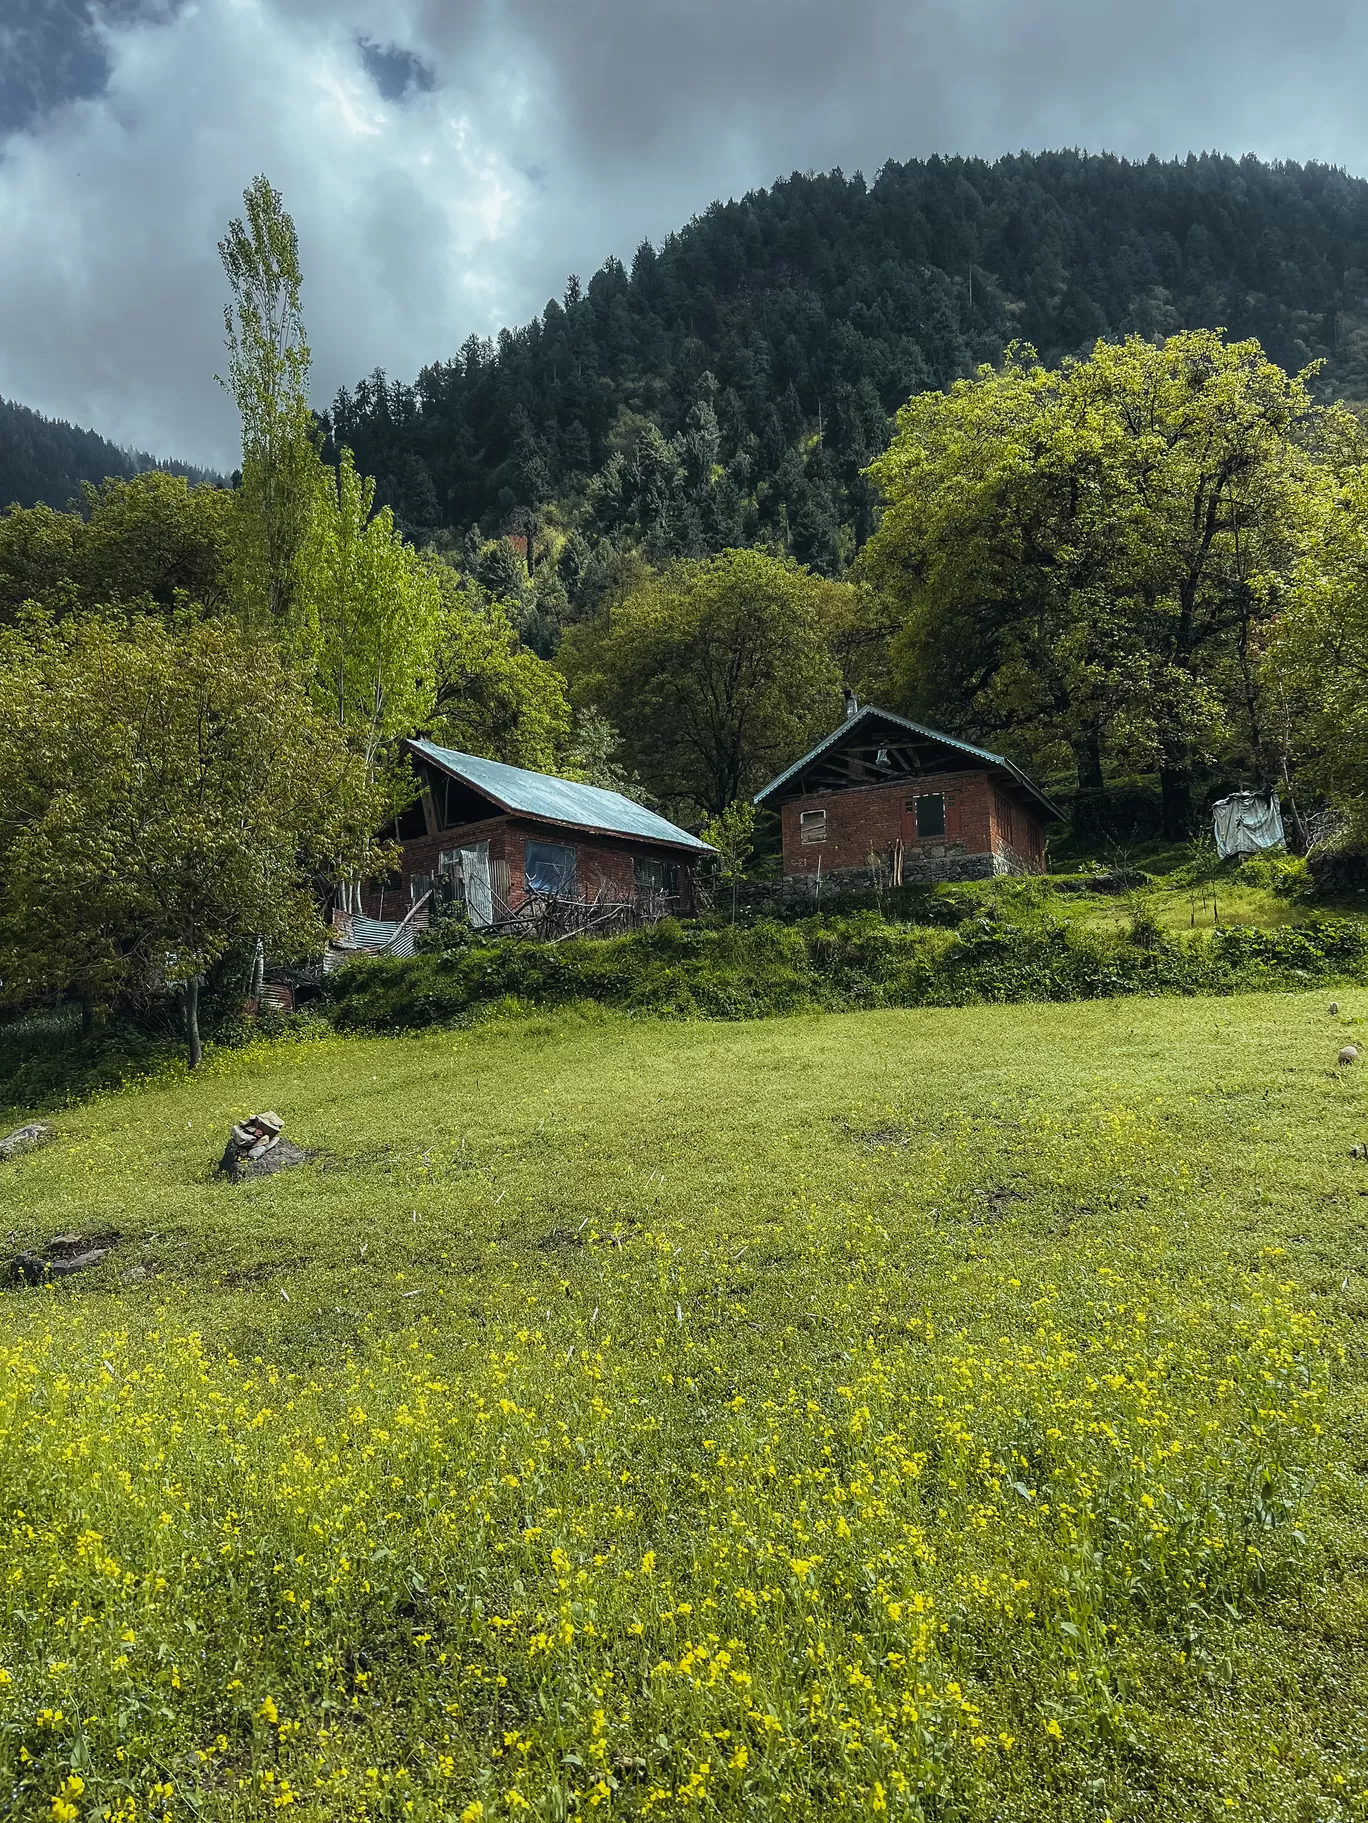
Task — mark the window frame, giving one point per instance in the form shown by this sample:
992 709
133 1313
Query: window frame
930 835
563 889
812 827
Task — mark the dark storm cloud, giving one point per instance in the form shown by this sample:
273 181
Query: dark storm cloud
52 51
395 71
449 161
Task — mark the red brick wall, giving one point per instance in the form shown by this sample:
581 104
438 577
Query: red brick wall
603 864
1017 834
871 817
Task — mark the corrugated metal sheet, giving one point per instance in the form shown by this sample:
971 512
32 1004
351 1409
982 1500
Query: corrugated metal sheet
538 794
372 937
373 933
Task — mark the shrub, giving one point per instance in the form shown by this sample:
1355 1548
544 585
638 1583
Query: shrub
685 970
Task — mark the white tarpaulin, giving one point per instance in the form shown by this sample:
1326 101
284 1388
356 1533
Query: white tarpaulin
1247 823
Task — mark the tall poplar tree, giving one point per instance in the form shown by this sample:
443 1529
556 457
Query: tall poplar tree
268 377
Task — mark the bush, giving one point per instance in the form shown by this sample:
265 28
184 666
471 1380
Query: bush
685 970
1286 875
44 1060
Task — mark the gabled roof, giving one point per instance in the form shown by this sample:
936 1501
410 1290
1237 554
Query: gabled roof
553 800
864 721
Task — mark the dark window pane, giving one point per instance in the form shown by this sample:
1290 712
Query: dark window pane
655 879
931 815
549 869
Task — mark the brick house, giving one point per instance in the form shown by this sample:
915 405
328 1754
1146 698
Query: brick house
511 842
925 805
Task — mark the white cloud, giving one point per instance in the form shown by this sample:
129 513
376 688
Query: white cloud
552 135
110 289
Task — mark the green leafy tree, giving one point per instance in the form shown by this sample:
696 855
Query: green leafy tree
167 793
268 377
732 833
1083 557
492 696
716 671
1316 663
594 757
151 539
38 560
371 608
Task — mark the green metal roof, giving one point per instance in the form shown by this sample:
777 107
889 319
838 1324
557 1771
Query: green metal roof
553 800
870 713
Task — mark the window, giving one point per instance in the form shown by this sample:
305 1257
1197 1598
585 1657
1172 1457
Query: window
1006 820
655 879
812 825
930 814
549 869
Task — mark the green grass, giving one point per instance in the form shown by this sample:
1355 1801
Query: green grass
945 1413
1183 896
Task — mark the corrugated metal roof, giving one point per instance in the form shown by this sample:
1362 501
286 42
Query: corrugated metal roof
932 734
539 794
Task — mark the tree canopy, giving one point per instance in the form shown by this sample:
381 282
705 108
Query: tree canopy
1082 558
1316 666
731 386
45 461
153 538
166 794
717 672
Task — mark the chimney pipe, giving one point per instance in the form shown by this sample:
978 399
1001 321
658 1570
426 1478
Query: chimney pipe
851 705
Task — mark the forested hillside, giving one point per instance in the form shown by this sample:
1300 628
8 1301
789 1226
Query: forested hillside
45 460
732 386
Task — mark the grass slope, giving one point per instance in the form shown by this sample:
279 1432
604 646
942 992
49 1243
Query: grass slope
946 1414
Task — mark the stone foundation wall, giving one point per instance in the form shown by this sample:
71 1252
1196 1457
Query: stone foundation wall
918 870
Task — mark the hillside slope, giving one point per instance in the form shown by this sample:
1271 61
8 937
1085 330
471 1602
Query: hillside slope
45 460
733 384
748 1421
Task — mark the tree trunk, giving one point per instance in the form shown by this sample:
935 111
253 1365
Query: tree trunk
190 1007
1087 750
1175 784
87 1015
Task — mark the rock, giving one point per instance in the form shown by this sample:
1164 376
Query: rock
26 1269
24 1138
258 1148
280 1157
77 1262
1348 1054
57 1261
65 1246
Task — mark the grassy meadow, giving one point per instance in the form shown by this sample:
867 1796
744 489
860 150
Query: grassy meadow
946 1414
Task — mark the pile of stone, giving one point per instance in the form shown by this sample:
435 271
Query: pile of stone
258 1148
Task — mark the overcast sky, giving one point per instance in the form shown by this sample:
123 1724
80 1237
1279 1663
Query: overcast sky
448 162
